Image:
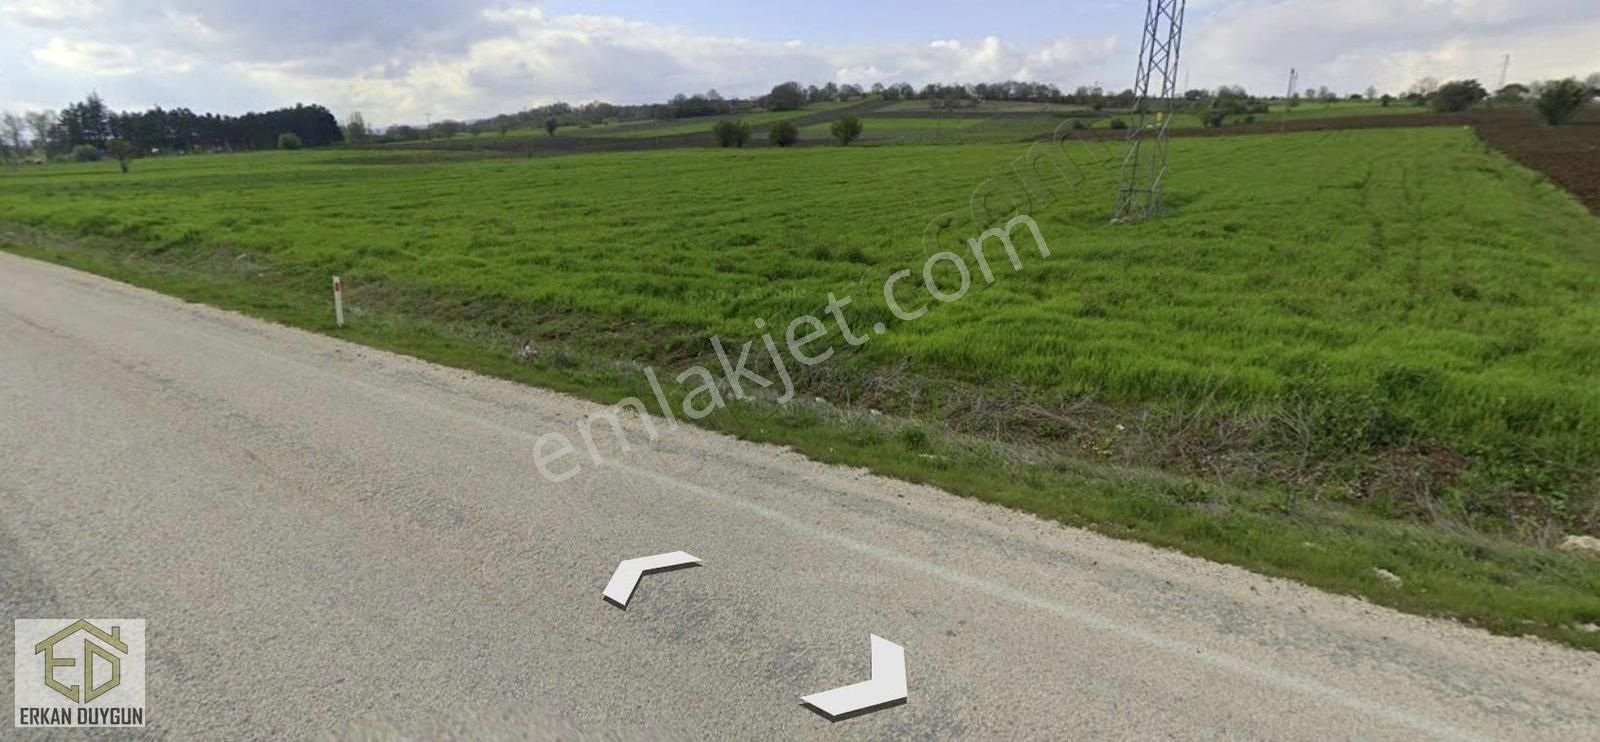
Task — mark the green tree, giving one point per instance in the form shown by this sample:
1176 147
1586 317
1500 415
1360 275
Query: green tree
1561 100
731 133
783 134
786 97
290 140
1227 101
121 149
1458 95
550 125
847 130
1511 94
86 123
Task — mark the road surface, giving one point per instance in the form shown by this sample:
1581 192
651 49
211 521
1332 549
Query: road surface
328 540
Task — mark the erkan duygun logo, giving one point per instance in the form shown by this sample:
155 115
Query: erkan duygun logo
79 673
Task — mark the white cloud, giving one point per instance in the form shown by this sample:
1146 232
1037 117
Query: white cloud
50 11
472 59
468 58
1350 44
113 60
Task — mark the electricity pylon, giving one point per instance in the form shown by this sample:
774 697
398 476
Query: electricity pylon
1288 99
1155 89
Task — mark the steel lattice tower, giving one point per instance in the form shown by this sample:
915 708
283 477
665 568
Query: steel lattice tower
1155 89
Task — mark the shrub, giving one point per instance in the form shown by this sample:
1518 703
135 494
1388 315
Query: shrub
731 133
915 439
847 130
550 126
783 134
1561 100
86 153
1118 124
1511 94
1458 95
290 140
1227 101
1080 124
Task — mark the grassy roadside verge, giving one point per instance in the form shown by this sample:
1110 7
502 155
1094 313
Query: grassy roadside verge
1499 585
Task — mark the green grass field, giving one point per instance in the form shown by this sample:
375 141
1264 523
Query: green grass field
1308 111
697 125
1352 338
988 106
912 130
974 127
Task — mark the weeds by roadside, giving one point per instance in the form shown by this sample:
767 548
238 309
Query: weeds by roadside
1492 582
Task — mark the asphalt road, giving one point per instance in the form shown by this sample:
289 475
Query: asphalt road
330 540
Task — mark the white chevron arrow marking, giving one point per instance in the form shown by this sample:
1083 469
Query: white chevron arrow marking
626 578
886 688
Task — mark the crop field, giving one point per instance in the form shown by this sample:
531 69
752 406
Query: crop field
1401 323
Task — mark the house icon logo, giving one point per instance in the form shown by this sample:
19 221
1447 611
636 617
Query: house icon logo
82 672
97 644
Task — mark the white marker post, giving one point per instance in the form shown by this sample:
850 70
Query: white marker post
338 301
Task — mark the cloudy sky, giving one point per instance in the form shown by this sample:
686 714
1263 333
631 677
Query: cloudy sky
404 60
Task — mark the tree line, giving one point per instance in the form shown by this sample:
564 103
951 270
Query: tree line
1556 101
89 128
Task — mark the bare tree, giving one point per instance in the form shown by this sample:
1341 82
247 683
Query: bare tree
355 129
1426 86
40 123
11 132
